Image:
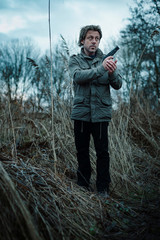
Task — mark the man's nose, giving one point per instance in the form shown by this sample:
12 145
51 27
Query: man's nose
94 40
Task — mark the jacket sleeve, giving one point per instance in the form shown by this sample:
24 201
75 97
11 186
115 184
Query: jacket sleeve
115 80
83 76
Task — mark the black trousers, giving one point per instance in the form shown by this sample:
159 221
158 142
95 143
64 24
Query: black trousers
99 131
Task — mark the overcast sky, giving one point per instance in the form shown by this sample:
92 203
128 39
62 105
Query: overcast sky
29 18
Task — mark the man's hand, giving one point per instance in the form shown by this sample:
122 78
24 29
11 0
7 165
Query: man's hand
109 64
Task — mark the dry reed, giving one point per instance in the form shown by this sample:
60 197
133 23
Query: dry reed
36 203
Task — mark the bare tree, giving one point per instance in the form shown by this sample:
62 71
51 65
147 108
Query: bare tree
41 76
15 70
141 50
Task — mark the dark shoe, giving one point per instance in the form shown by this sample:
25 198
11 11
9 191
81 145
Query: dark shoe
82 184
87 187
103 194
102 190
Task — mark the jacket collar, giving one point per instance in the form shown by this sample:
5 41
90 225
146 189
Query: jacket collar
99 55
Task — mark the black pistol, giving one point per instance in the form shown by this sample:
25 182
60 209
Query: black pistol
111 53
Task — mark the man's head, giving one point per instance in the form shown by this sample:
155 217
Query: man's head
89 38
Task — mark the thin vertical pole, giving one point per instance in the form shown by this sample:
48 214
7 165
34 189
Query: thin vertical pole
51 79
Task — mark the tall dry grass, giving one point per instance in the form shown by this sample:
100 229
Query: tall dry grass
37 203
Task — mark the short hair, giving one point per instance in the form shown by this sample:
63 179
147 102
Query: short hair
84 31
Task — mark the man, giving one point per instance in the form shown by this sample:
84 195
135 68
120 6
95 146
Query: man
92 78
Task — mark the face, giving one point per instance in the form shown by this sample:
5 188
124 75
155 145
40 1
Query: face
91 42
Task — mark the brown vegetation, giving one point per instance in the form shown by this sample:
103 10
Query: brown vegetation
39 198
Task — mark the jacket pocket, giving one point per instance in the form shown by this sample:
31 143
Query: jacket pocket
84 66
106 101
78 100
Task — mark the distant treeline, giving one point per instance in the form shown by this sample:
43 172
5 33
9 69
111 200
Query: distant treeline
25 72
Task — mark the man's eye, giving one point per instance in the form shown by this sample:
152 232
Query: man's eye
91 38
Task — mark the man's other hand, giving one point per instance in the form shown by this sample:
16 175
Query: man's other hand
109 64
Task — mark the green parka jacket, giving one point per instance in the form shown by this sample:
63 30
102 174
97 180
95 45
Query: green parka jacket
92 100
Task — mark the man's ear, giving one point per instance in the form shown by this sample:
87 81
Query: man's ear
82 42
